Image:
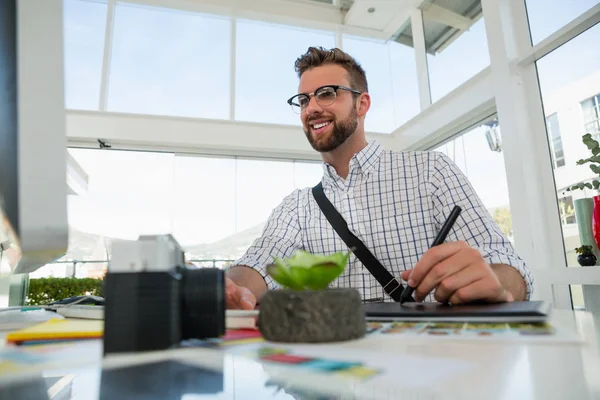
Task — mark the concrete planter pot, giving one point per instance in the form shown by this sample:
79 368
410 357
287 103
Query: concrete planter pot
330 315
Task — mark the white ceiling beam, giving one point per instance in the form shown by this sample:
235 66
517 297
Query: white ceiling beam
352 13
386 16
192 135
309 14
310 11
307 10
442 15
402 17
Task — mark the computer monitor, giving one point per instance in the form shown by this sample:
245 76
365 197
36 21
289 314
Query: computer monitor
33 194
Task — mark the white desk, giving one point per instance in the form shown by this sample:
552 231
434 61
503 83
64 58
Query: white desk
492 370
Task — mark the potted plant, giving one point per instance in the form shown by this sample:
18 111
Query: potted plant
305 309
589 220
587 210
594 162
585 258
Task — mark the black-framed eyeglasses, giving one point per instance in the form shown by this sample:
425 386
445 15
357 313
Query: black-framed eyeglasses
325 96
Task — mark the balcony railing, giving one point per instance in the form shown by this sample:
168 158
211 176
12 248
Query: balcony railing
74 265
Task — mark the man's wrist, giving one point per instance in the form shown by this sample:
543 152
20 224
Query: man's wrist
246 276
512 280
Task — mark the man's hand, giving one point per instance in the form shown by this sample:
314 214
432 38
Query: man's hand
238 297
458 273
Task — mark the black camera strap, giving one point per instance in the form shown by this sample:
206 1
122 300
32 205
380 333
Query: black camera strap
390 284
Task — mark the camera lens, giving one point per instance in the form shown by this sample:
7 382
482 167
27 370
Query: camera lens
203 303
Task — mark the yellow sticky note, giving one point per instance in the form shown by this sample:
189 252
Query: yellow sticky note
59 329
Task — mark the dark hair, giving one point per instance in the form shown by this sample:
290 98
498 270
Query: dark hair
318 56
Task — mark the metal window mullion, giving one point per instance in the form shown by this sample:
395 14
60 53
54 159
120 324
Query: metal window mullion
106 58
418 34
232 76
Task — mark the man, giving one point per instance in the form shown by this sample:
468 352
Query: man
395 202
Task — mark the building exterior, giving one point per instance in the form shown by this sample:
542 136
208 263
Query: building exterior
571 112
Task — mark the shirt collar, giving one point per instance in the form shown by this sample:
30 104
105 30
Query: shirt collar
368 157
362 162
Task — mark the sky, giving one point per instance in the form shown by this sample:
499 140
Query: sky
166 62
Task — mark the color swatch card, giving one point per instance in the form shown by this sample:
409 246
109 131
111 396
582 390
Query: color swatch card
362 371
512 332
19 360
322 365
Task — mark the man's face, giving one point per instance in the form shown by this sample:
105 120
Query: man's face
328 126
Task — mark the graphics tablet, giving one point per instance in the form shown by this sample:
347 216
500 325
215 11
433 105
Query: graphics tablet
519 311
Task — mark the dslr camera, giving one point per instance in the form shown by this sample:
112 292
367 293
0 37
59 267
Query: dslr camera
153 301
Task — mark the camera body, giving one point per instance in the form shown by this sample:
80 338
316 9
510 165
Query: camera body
153 301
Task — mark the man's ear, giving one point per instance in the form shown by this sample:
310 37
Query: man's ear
363 104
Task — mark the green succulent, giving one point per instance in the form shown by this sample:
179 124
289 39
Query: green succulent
306 271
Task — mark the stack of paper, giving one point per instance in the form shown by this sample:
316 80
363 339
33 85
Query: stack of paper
241 319
23 317
57 330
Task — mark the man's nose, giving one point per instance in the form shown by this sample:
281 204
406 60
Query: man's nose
313 106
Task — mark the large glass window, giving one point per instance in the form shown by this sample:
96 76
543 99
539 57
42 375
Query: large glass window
569 80
170 62
265 76
204 197
559 74
307 174
546 16
214 206
84 26
269 179
478 154
454 56
392 78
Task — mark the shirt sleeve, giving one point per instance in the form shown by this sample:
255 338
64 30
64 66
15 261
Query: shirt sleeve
280 238
475 224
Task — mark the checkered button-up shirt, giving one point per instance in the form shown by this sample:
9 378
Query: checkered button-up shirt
395 202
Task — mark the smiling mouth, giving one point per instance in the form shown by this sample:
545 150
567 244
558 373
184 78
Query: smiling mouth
320 127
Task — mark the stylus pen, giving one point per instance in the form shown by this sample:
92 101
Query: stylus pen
439 239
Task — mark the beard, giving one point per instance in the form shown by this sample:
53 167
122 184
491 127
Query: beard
340 132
